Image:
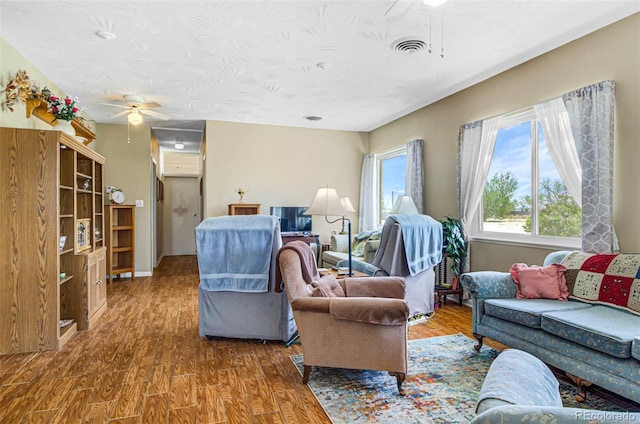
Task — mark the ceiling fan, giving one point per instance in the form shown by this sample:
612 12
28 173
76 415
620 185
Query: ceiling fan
408 5
135 108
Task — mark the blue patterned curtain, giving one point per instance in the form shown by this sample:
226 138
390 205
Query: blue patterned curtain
591 113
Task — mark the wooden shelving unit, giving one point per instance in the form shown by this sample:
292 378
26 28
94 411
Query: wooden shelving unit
243 209
43 279
121 229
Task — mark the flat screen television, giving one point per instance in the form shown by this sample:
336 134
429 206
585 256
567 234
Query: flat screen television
292 218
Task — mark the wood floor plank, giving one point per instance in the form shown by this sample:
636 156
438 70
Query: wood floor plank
41 417
160 381
183 391
73 409
109 387
183 415
97 413
155 409
129 402
210 405
260 396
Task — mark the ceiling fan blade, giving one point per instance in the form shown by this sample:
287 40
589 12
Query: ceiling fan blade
154 114
391 7
111 104
124 112
150 105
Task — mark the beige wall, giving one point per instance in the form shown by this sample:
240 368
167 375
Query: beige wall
280 166
610 53
11 61
129 167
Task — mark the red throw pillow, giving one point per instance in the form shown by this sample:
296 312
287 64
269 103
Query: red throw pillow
536 282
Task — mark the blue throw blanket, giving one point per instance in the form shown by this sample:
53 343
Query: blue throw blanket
235 252
422 236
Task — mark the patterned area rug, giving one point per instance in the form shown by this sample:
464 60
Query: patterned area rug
443 383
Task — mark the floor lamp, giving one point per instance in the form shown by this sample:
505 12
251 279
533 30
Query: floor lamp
327 203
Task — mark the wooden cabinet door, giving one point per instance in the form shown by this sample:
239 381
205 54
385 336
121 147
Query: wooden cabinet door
92 288
101 272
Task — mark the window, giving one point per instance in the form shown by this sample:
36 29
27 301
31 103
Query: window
392 169
524 197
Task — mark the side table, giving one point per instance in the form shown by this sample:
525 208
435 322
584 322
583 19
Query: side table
443 292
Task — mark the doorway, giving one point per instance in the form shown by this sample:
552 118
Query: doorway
181 215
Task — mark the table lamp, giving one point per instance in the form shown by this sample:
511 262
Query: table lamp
327 203
348 208
404 205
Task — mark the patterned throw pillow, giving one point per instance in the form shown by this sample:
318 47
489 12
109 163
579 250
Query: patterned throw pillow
605 279
361 239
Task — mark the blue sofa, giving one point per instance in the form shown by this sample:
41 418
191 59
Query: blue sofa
592 342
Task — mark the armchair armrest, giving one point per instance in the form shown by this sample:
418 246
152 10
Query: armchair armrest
364 267
489 284
370 310
311 304
370 249
388 287
340 243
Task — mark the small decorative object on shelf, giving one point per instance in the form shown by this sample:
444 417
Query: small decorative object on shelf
63 241
83 240
86 185
241 192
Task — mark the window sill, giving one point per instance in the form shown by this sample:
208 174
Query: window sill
554 243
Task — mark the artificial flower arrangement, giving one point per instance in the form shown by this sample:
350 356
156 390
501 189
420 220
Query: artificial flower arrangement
63 108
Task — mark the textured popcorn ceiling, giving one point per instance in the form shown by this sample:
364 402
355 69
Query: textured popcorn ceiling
273 62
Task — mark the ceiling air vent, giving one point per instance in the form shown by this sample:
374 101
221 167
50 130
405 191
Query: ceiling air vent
408 45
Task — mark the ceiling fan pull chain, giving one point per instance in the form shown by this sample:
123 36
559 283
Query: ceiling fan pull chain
442 27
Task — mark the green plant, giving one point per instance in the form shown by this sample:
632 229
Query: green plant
454 245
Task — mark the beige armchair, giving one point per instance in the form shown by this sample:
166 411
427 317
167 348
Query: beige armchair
360 324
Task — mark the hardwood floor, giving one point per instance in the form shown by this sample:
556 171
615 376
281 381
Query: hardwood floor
145 363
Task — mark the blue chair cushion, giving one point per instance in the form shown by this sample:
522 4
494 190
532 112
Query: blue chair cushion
601 328
527 312
635 348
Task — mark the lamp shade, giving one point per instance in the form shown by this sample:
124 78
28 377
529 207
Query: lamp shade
434 3
134 117
346 205
404 205
326 203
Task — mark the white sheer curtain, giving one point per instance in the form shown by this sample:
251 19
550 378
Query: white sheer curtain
554 119
367 214
591 112
414 180
475 150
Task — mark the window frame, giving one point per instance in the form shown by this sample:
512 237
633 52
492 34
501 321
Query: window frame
475 231
398 151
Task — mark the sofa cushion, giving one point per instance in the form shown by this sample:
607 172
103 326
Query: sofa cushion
527 312
602 328
605 279
537 282
635 348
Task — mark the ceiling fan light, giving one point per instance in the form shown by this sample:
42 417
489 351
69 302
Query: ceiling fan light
434 3
134 117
